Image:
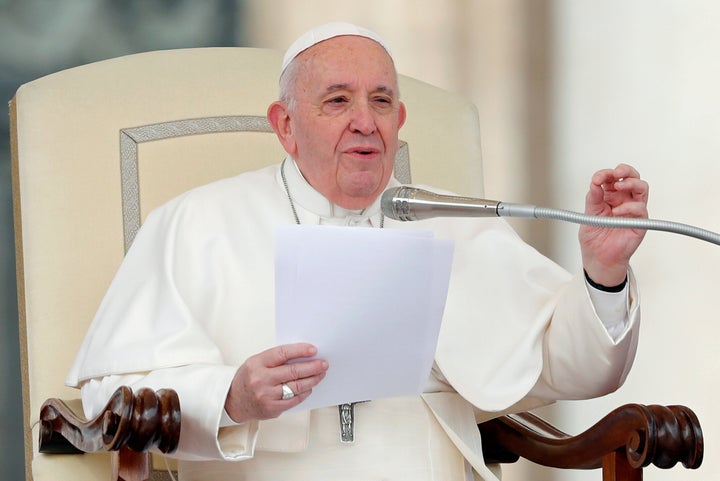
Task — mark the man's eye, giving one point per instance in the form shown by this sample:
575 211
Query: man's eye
382 101
337 100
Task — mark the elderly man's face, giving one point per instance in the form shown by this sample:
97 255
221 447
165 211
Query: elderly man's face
343 131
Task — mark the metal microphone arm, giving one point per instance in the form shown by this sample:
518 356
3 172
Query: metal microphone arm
520 210
410 203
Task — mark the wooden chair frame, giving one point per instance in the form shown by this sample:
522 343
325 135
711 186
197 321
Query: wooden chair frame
625 441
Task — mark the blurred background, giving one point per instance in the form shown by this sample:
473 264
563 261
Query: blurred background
563 88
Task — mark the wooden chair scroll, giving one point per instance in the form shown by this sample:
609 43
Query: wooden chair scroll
622 443
129 426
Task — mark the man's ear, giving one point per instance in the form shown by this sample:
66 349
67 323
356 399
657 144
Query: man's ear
279 118
402 115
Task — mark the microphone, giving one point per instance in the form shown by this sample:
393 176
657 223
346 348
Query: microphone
407 203
410 203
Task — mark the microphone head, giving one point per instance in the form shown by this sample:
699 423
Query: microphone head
386 202
393 203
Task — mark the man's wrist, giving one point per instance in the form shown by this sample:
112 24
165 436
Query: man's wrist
601 287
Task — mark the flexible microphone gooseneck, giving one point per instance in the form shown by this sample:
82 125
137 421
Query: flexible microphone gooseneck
410 204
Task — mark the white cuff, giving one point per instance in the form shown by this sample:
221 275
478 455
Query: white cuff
611 309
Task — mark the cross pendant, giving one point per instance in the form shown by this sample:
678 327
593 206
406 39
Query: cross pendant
347 419
347 422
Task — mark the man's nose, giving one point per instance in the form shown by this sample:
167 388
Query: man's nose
362 119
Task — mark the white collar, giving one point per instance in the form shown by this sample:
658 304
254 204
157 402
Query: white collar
304 195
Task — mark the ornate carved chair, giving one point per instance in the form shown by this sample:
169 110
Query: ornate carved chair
96 147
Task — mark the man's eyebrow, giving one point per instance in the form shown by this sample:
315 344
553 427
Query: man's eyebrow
386 90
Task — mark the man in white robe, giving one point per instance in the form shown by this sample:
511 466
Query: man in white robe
192 306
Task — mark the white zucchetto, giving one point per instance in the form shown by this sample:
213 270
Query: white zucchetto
325 32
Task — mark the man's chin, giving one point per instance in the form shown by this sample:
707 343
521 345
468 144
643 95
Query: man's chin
360 190
357 199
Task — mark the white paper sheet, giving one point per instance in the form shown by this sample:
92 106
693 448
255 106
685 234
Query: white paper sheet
371 300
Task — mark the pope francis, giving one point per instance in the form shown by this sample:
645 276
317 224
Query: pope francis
192 306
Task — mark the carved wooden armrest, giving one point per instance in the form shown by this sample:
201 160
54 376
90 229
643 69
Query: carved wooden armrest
130 425
622 443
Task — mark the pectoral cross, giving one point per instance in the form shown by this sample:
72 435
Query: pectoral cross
347 422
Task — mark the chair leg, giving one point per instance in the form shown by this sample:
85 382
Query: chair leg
615 467
130 465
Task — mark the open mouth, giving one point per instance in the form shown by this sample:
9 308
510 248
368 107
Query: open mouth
364 152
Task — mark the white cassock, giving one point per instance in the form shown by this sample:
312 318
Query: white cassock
194 299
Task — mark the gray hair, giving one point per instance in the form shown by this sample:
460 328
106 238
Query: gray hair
288 80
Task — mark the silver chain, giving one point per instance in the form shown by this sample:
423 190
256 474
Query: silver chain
292 204
287 191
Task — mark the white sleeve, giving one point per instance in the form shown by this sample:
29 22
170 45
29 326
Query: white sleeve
202 390
584 355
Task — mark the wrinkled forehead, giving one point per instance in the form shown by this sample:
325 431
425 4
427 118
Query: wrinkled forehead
342 63
326 32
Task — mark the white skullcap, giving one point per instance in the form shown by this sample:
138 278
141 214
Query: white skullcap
325 32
